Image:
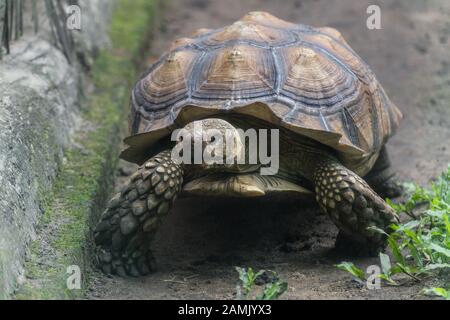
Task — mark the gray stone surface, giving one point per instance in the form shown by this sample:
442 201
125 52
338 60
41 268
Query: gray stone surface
40 97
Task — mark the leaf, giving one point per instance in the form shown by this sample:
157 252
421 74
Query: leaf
434 213
416 255
410 225
352 269
439 249
388 279
249 274
378 230
397 207
396 269
409 271
242 274
435 266
396 251
412 235
247 277
239 294
446 223
440 292
258 274
247 281
274 290
385 263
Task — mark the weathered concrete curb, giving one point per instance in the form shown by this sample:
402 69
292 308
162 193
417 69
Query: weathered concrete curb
63 239
40 96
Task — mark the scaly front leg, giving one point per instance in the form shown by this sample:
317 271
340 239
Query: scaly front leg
133 216
353 206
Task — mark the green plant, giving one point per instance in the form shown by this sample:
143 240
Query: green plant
437 292
245 290
356 272
420 246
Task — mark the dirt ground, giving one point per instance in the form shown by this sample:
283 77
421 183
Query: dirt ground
202 240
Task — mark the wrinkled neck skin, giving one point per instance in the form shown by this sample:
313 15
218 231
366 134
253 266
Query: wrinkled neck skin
298 156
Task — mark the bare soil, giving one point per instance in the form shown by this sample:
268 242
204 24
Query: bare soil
203 239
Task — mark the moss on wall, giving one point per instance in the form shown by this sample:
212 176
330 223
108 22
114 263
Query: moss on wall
85 176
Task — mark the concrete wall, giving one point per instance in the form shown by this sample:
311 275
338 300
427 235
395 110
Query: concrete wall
40 98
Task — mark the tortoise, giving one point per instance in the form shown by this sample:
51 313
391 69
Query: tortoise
262 72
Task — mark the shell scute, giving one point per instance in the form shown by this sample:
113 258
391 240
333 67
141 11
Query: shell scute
235 73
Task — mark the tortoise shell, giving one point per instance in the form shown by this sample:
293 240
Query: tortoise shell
305 79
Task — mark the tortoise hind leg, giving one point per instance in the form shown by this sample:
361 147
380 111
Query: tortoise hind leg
353 206
129 223
382 179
